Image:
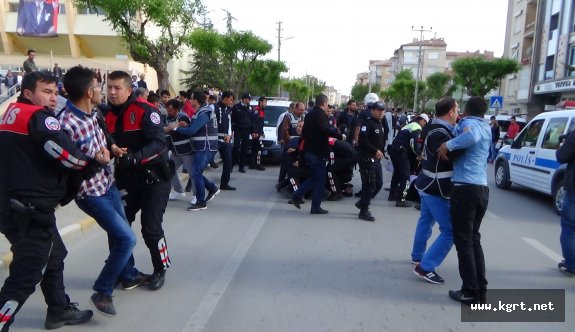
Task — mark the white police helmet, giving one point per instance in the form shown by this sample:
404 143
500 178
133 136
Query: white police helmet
371 98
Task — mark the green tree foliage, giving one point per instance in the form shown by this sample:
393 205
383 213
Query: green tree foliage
231 61
359 91
438 85
297 89
402 90
135 21
265 77
478 75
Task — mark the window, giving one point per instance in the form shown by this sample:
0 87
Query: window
433 56
571 125
529 136
555 129
549 62
553 25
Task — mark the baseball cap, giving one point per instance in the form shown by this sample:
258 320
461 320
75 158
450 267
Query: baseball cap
246 96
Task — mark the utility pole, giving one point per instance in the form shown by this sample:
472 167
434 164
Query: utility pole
418 73
279 39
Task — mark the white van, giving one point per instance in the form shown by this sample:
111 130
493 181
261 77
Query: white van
530 160
272 150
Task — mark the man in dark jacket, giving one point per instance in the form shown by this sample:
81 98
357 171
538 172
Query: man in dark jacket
434 185
38 158
242 119
566 154
258 134
315 134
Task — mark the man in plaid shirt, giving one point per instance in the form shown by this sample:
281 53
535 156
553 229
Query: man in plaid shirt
98 195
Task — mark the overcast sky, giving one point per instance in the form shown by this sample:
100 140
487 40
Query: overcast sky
334 40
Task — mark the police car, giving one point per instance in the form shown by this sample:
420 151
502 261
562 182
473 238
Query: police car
271 149
530 160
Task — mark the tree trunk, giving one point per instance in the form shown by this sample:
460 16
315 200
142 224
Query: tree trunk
163 76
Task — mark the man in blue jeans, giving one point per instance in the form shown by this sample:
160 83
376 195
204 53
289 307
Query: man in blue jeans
566 154
315 134
204 135
98 195
434 185
469 198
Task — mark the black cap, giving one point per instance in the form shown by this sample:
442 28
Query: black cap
246 96
376 106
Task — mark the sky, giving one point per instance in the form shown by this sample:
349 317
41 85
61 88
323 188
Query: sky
334 40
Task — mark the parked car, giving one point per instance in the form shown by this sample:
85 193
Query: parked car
530 160
271 149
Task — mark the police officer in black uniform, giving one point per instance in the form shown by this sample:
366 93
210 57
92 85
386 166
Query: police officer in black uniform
223 113
371 144
35 173
143 170
257 134
242 126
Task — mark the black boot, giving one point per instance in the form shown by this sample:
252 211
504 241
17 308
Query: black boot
156 281
69 315
365 214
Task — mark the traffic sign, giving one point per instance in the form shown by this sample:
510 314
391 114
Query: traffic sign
496 102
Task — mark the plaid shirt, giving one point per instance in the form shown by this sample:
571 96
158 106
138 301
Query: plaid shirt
86 132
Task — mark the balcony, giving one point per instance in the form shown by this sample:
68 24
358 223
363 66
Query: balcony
529 29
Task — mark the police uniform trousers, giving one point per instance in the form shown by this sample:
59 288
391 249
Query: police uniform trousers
151 199
38 257
225 150
241 138
371 181
401 172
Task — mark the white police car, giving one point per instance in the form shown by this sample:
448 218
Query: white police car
530 160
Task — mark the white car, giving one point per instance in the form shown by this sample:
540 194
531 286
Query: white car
530 160
274 108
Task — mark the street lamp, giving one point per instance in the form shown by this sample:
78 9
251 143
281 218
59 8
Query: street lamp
418 74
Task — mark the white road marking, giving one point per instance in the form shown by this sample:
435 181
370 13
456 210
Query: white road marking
555 257
205 309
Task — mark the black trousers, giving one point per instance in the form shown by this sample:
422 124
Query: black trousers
468 206
151 200
39 255
225 150
241 138
256 152
371 181
400 177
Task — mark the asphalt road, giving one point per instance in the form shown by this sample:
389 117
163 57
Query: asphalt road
251 262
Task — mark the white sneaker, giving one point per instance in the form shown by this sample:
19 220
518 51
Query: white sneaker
175 195
194 200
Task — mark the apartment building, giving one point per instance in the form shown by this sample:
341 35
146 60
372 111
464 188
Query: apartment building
541 35
432 53
77 36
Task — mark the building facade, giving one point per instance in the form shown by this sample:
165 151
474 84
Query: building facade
81 37
541 35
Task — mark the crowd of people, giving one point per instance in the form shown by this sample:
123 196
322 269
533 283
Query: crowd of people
56 155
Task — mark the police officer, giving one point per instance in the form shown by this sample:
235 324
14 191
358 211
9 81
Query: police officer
178 144
258 134
242 121
143 170
404 149
347 120
223 110
203 131
37 158
371 144
287 129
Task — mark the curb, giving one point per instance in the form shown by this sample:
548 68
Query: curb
65 232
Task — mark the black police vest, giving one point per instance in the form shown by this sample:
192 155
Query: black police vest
293 121
179 143
223 117
435 175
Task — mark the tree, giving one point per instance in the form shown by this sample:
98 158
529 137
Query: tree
478 75
298 89
265 77
231 61
359 91
402 90
136 20
438 85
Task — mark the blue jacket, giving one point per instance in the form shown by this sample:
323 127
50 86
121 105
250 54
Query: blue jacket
474 136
